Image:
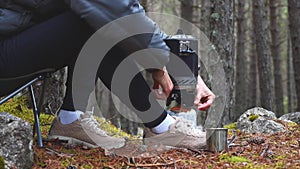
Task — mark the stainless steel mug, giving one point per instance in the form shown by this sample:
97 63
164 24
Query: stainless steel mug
216 139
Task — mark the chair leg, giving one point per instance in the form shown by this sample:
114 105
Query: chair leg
18 90
36 117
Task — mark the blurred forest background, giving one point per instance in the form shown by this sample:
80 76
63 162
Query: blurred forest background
259 45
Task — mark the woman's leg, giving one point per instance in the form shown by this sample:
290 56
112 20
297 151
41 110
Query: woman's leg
56 43
138 92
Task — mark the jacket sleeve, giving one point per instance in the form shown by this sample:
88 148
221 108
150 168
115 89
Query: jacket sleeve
98 13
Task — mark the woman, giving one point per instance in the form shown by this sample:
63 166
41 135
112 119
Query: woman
41 34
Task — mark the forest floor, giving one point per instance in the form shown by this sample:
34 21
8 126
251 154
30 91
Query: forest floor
281 150
258 151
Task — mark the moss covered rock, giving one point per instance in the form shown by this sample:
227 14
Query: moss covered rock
259 120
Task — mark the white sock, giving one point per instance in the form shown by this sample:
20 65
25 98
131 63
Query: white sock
68 117
164 125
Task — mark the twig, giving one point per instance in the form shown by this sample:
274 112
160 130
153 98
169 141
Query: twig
197 152
265 150
133 160
152 165
59 153
174 162
162 158
108 166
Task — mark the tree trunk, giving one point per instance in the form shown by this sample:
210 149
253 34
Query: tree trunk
241 70
275 13
263 55
253 86
222 38
253 75
52 95
291 91
186 8
197 12
205 15
294 19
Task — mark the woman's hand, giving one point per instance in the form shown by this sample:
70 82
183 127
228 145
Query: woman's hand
204 96
162 79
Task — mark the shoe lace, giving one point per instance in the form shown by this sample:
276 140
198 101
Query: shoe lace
92 124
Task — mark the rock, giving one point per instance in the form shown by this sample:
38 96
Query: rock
15 142
294 117
266 126
259 120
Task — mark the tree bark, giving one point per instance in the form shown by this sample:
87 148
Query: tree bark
276 48
205 15
294 19
222 38
241 69
263 55
51 94
291 91
197 12
186 8
253 91
253 76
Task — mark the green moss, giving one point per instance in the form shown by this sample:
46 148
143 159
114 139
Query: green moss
65 163
87 166
18 106
253 117
69 151
45 123
292 124
280 164
257 166
2 163
237 159
281 157
112 130
232 159
230 126
41 164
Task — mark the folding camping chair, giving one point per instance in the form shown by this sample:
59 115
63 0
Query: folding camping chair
9 87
